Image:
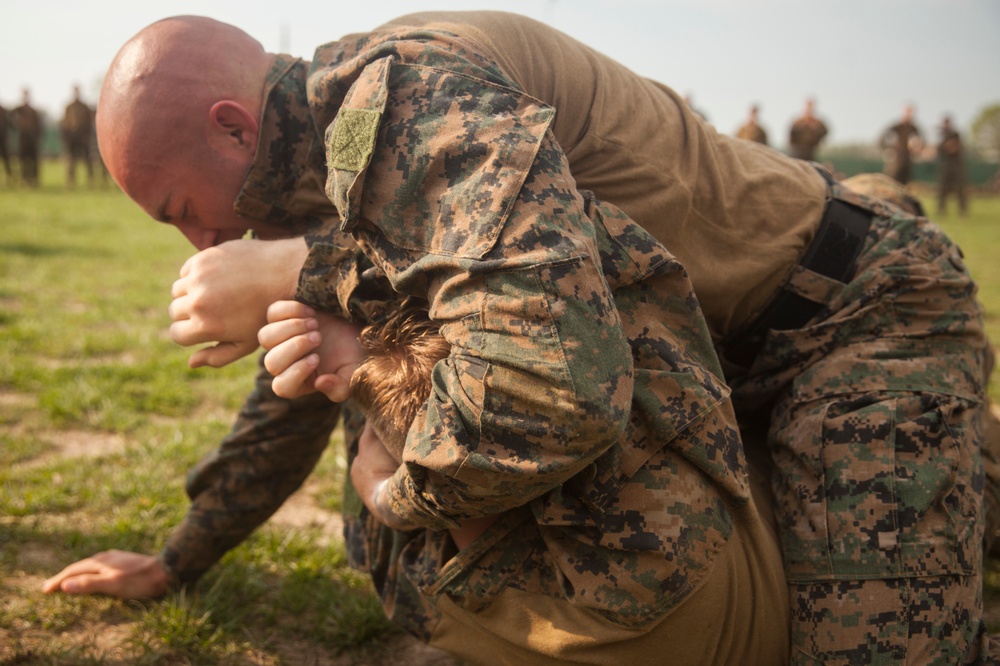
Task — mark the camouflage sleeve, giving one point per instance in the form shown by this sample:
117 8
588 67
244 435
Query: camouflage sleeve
456 190
273 446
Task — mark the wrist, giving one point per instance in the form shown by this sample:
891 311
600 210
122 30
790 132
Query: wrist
292 255
381 506
163 578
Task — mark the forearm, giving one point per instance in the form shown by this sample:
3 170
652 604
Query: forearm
274 445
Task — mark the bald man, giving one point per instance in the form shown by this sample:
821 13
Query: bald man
414 163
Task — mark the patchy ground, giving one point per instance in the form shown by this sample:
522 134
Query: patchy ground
105 640
300 511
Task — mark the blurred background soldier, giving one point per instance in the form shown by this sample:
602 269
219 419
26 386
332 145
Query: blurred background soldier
77 128
806 134
751 131
902 141
951 171
3 145
29 130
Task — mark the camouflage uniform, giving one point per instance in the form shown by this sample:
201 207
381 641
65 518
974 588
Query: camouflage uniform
805 136
751 131
77 127
886 188
898 139
29 132
582 390
875 428
951 171
404 180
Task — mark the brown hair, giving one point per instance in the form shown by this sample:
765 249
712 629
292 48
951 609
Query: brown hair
393 381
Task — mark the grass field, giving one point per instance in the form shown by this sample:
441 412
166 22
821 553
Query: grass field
100 419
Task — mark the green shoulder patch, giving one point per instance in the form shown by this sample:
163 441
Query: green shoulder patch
353 139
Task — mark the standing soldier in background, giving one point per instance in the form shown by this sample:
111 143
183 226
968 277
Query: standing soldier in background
29 130
77 127
951 170
877 478
806 134
751 131
3 145
902 140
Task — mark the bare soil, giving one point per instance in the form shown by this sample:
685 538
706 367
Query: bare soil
105 639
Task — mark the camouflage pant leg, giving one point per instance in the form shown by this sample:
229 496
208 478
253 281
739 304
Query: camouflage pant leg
894 621
991 464
875 436
991 493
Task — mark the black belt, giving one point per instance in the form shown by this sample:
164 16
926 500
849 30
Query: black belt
833 253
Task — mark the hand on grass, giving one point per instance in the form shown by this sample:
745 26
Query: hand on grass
309 351
117 573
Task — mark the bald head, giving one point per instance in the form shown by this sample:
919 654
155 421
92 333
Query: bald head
165 80
181 103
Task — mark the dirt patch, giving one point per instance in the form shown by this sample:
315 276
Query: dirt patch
105 640
301 511
399 650
11 399
101 640
32 557
83 444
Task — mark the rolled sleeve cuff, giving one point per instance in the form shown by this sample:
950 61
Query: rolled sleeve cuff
318 278
174 581
410 505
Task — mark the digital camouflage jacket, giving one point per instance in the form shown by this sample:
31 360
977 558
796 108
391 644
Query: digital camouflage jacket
583 392
583 399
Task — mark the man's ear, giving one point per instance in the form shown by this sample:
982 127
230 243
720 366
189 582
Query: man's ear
238 125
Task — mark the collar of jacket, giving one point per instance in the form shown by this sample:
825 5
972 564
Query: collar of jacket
284 186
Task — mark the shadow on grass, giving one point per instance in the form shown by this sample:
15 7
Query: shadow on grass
37 250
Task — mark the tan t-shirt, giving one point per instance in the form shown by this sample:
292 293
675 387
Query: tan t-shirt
738 215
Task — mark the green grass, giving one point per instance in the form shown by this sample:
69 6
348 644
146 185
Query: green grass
84 285
979 237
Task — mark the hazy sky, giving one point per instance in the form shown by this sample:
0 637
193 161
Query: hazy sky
861 59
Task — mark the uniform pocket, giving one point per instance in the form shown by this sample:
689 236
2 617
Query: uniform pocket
433 161
886 485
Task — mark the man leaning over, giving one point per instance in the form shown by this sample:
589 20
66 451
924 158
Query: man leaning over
879 395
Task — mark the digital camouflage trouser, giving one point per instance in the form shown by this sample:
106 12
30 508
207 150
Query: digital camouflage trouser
875 430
